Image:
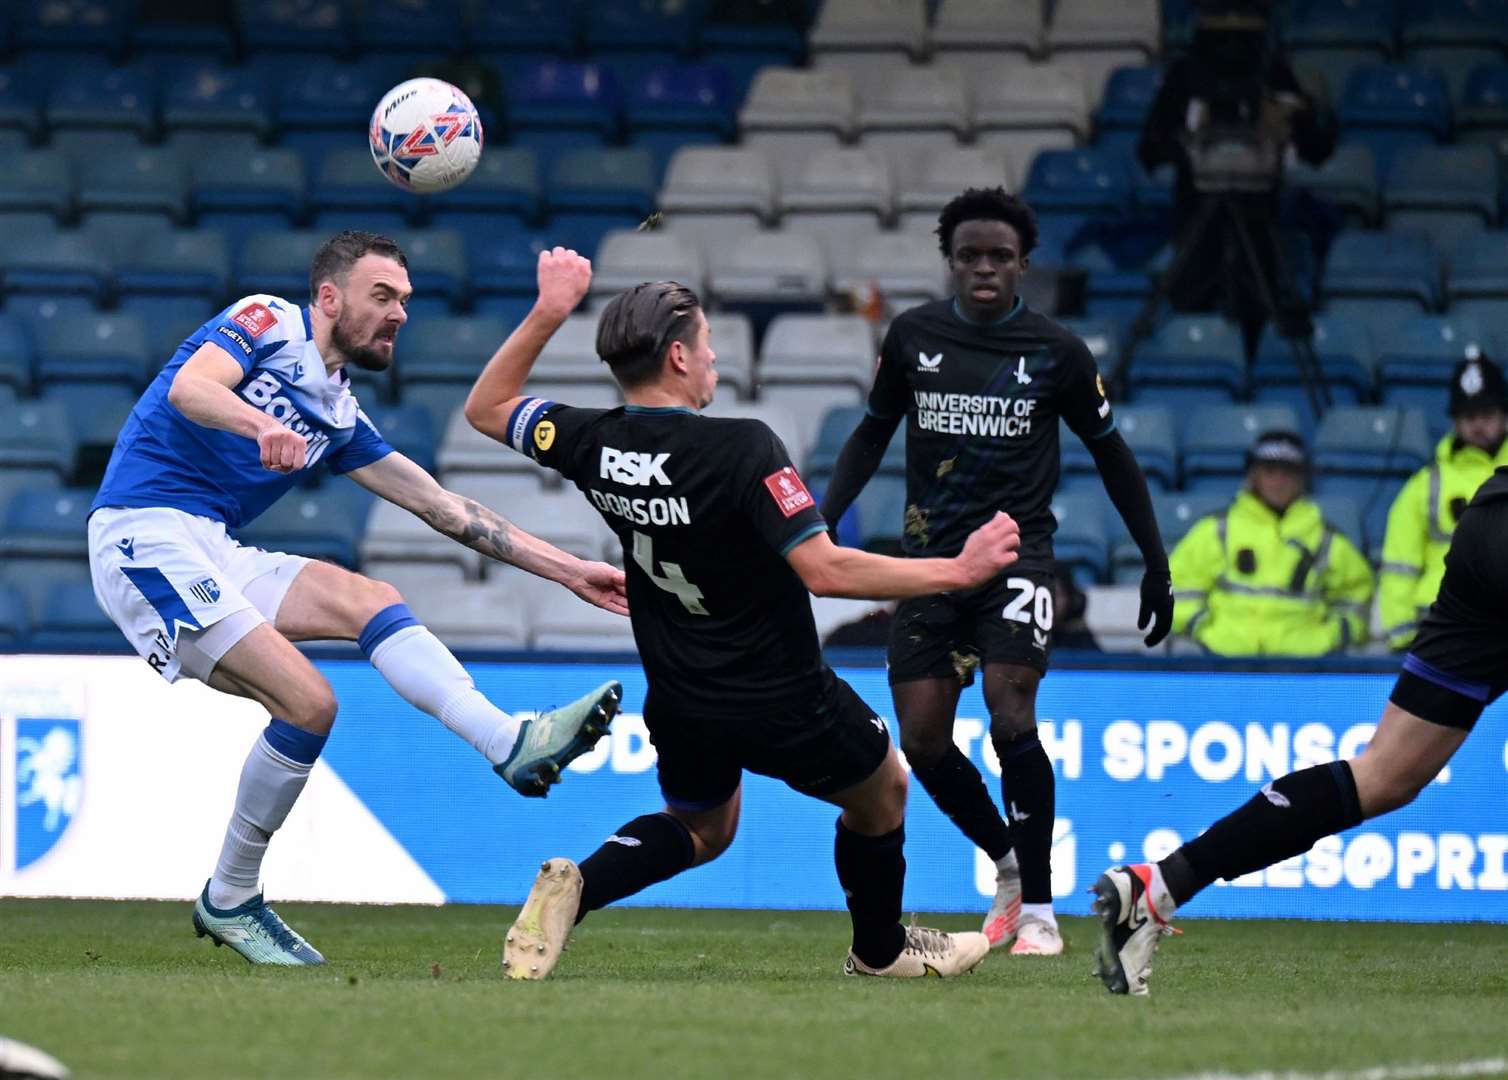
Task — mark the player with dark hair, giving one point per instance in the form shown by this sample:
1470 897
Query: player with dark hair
250 402
1456 667
982 382
723 541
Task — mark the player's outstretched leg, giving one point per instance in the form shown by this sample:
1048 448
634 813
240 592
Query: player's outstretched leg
554 739
533 945
255 931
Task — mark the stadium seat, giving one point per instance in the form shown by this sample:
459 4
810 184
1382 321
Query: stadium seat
147 181
169 39
408 429
475 615
96 414
745 36
596 187
880 510
50 264
921 195
1081 539
1090 24
323 525
791 100
774 416
447 350
70 620
559 106
1343 514
839 180
412 28
315 26
15 619
1371 441
413 578
672 105
1452 22
36 435
563 517
95 96
801 349
1127 101
278 263
570 356
1446 191
316 100
966 31
1354 24
47 523
1177 513
192 262
1345 352
266 188
564 624
1191 359
913 114
464 449
856 33
36 180
1388 106
15 357
1391 266
766 273
19 109
1454 62
436 264
1415 361
1102 338
1347 179
1081 181
347 181
720 180
1147 429
211 95
836 425
1482 114
1216 439
628 257
104 348
505 183
907 269
733 341
1478 266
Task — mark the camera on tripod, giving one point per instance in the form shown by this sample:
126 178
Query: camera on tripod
1237 128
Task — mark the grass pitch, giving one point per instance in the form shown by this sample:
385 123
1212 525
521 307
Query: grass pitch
126 990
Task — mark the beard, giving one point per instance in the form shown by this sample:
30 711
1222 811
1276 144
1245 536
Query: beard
362 356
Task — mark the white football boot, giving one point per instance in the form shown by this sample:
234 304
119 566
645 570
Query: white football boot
1004 917
928 952
1037 937
538 936
554 739
1134 907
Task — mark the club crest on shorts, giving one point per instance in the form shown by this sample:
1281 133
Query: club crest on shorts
205 590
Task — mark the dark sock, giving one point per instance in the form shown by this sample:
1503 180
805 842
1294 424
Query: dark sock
1028 787
646 850
1284 819
958 790
872 871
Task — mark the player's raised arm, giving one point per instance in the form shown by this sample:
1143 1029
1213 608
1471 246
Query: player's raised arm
401 481
204 391
563 280
828 570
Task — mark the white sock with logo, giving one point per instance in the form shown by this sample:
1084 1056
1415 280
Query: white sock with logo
428 676
270 784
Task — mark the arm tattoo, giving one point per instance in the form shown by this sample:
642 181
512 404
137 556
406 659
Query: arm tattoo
469 522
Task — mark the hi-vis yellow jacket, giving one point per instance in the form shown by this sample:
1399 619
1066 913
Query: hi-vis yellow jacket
1247 582
1420 526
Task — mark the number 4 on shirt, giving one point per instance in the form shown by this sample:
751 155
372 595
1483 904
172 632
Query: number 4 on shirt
673 581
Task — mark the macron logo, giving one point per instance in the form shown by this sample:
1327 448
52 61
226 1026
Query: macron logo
633 468
929 363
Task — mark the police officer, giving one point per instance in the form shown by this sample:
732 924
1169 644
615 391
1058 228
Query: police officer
1268 576
1424 515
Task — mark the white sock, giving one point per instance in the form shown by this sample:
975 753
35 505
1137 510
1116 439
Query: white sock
270 784
1040 912
1008 861
1157 892
429 677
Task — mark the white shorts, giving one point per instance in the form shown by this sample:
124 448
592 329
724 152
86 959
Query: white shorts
180 589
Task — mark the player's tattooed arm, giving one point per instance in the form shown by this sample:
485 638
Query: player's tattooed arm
469 522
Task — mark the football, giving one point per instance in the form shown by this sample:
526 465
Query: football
426 136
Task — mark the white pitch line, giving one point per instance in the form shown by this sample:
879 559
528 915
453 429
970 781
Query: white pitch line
1485 1067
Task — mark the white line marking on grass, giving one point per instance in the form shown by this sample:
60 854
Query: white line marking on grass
1486 1067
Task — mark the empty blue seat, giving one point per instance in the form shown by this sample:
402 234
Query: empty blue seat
506 182
837 425
643 25
1127 99
408 429
1354 24
316 100
1193 358
15 356
1415 361
19 107
278 263
505 262
104 348
881 512
70 620
55 263
1479 266
15 619
414 26
436 264
1483 111
317 26
528 26
1217 438
1383 265
451 350
268 184
1102 337
349 181
1444 178
211 95
1176 514
101 26
1082 181
95 96
556 106
1359 440
619 181
183 262
151 180
1081 539
1343 347
36 180
96 413
1147 429
313 524
36 435
1391 105
1453 22
1346 179
167 42
682 97
47 523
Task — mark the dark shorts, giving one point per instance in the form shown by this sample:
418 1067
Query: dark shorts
818 747
1458 664
948 635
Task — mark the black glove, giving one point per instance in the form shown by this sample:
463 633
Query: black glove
1156 605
